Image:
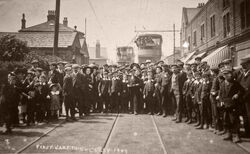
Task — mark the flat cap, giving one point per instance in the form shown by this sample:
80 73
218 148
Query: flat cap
227 70
34 61
227 61
197 58
68 69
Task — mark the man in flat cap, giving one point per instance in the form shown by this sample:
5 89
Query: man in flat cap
213 94
79 89
134 87
34 63
68 94
245 83
229 94
9 102
158 97
104 90
204 101
165 90
198 60
53 74
177 83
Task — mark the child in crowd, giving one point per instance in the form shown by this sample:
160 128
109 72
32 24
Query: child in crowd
55 101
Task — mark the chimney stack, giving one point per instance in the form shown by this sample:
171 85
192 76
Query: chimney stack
200 5
23 22
98 49
65 21
51 15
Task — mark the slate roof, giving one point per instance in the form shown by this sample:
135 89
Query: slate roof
47 27
45 39
190 13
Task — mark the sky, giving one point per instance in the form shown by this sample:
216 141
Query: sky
113 22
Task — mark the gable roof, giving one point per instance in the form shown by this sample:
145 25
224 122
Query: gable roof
48 26
190 13
45 39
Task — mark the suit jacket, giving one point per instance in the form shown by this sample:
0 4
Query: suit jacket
195 91
181 78
187 87
124 85
67 85
165 82
149 88
245 83
104 86
79 84
227 92
215 86
61 75
54 76
204 90
116 85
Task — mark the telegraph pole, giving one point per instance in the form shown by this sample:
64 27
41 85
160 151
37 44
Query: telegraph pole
85 31
174 41
56 33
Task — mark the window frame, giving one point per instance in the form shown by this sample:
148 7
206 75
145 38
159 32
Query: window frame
212 26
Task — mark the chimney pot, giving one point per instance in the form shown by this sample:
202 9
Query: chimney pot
65 21
23 22
51 15
75 28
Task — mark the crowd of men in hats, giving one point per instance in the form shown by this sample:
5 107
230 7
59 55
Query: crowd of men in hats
211 98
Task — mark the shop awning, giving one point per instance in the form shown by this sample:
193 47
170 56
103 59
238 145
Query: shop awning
193 58
185 59
217 56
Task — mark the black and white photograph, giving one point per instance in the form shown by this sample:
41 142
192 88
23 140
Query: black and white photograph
125 76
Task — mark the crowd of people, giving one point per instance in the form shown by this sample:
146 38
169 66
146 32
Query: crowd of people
212 98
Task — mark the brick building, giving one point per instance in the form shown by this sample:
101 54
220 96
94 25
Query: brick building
216 30
98 54
40 38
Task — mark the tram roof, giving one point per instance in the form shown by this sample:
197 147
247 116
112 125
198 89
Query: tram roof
124 47
151 35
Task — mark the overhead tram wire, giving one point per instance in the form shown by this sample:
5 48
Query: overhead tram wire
97 19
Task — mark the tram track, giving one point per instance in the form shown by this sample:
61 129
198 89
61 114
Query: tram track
38 138
106 143
159 135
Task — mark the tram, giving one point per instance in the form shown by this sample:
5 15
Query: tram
149 47
125 55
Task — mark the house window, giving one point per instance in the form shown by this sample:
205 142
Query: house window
245 14
202 32
212 25
226 24
189 42
195 41
225 4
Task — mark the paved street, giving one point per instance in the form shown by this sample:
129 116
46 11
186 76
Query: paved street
109 133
